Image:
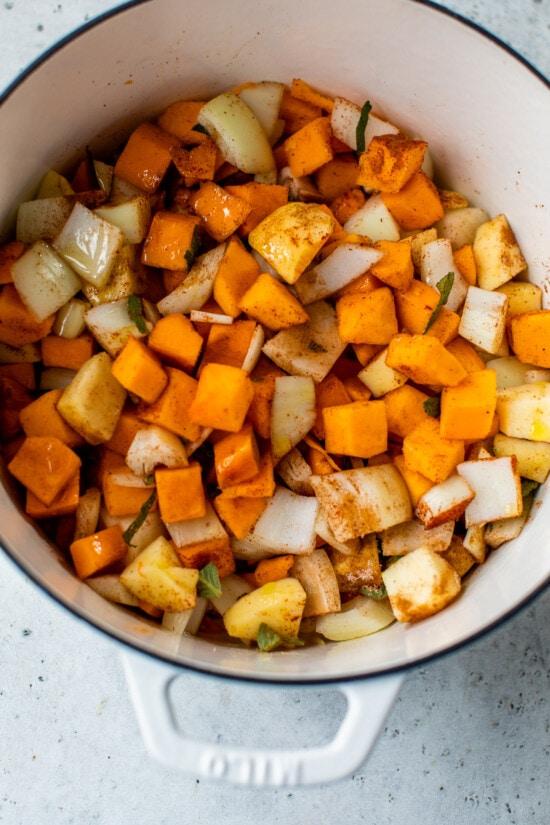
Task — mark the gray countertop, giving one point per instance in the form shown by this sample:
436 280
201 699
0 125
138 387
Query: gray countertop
468 742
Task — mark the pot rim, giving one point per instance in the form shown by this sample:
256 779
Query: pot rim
5 94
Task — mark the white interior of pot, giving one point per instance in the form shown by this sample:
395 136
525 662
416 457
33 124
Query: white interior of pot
487 119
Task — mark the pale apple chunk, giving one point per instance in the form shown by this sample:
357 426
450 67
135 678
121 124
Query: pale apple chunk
474 542
379 378
150 530
420 584
156 576
316 575
502 530
510 372
522 297
324 532
459 226
524 412
404 538
375 221
497 254
293 412
533 457
278 604
444 502
483 320
264 99
359 617
497 490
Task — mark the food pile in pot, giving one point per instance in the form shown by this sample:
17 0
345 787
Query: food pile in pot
262 379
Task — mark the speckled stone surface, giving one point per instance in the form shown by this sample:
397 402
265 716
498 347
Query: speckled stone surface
468 742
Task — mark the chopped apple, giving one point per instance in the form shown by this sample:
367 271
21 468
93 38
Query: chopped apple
533 457
459 226
191 531
278 604
483 318
524 412
374 220
359 617
510 372
316 575
293 412
444 502
156 576
404 538
522 297
497 490
420 584
474 542
111 588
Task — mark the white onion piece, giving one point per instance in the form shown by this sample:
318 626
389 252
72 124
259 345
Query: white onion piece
293 412
150 530
56 378
111 588
233 587
206 528
89 244
197 615
131 217
249 550
153 446
341 267
322 528
42 219
374 220
111 325
122 191
299 188
254 349
296 473
43 280
104 174
70 321
53 185
238 133
198 317
359 617
264 99
345 117
87 513
197 287
436 261
287 525
176 622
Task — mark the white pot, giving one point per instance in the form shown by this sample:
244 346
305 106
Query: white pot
487 118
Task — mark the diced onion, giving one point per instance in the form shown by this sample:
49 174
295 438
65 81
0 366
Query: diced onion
70 321
43 280
89 244
42 219
198 317
197 287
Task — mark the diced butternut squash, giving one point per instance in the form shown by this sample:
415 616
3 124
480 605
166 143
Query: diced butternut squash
41 418
239 514
445 327
428 453
271 570
139 371
18 326
263 384
220 212
180 493
272 304
9 253
416 483
98 551
198 163
415 306
15 398
175 339
172 409
223 397
425 360
236 458
464 352
303 91
63 504
309 148
355 388
44 465
215 551
169 242
465 262
345 206
146 157
125 431
69 353
23 373
358 429
367 318
405 410
121 500
297 113
467 411
395 268
262 485
228 343
531 337
366 282
237 272
330 392
337 176
390 161
417 205
180 117
263 199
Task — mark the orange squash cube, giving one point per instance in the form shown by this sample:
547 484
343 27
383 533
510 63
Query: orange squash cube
445 327
297 113
146 157
180 493
262 485
198 163
18 326
23 373
468 410
236 458
417 205
464 352
272 304
416 483
223 397
139 371
169 240
69 353
415 306
239 514
228 343
395 268
263 384
465 262
356 389
405 409
41 418
271 570
346 205
303 91
237 272
119 499
367 318
309 148
425 360
44 465
216 551
63 504
365 352
221 213
98 551
172 409
364 283
14 400
390 161
263 199
9 254
531 337
125 431
337 176
180 117
357 429
175 339
330 392
428 453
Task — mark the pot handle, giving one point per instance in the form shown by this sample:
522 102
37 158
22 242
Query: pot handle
368 703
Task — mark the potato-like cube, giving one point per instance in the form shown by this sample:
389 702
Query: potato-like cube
156 576
531 337
93 401
524 412
404 538
497 489
445 327
420 584
425 360
291 236
367 318
236 458
498 256
483 319
459 557
357 429
223 398
505 529
139 371
169 240
405 410
272 304
317 576
390 161
372 219
474 542
180 493
522 297
357 502
416 483
467 411
172 409
428 453
460 225
533 458
415 306
379 378
444 502
279 604
356 570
